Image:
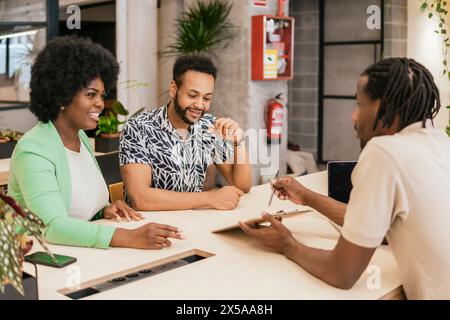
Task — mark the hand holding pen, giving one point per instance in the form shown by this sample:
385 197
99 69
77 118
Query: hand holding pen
271 197
288 188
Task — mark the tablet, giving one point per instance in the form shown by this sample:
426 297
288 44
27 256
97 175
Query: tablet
254 221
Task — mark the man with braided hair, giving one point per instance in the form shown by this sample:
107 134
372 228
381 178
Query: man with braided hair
401 186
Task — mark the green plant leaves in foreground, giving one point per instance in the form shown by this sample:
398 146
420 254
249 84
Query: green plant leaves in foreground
16 224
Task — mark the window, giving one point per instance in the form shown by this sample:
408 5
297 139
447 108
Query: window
25 27
3 48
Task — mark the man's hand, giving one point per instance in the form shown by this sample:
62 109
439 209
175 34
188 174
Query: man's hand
119 209
228 129
226 198
276 237
287 188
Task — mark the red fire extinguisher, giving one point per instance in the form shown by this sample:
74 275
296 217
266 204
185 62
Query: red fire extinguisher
274 119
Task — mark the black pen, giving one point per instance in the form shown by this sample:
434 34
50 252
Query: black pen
273 192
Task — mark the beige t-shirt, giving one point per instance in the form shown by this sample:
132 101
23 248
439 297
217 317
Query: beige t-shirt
401 189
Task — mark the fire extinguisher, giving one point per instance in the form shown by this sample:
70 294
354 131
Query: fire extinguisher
274 119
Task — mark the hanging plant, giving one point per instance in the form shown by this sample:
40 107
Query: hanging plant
202 29
448 127
437 9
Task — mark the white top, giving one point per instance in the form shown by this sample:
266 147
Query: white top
89 190
401 187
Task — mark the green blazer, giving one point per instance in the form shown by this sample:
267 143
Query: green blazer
39 179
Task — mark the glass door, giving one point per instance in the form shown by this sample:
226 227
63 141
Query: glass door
347 47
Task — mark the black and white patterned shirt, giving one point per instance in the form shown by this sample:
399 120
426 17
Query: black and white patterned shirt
177 164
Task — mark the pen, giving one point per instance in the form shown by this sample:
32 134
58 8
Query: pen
273 192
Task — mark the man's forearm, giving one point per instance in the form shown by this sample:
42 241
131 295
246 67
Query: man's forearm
320 263
332 209
159 199
242 173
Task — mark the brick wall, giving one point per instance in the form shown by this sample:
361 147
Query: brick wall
395 28
303 101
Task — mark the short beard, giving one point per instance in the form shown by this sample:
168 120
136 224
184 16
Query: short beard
182 112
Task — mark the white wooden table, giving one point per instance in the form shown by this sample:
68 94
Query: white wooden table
239 268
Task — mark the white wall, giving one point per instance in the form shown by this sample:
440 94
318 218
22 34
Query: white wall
136 25
168 12
424 45
20 120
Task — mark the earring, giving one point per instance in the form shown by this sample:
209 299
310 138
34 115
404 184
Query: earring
62 108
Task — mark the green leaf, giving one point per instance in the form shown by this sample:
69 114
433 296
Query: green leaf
10 256
203 28
14 222
424 6
108 124
137 112
118 108
430 15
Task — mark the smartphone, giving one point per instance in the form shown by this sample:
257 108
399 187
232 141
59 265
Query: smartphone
44 258
339 179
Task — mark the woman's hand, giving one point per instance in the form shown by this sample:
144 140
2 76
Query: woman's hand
149 236
119 209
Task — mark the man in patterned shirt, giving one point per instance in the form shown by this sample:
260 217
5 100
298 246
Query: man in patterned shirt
165 153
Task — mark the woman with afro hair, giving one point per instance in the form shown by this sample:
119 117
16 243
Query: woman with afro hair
53 170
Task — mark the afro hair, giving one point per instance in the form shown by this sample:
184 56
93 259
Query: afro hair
64 67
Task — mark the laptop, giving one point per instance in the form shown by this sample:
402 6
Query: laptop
339 179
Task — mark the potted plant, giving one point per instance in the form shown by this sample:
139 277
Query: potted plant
203 29
16 224
8 140
107 135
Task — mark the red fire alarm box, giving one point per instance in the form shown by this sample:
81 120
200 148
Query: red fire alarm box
272 47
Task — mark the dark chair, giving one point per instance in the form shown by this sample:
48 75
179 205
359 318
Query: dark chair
109 165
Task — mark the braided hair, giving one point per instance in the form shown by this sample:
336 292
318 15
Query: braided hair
405 88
